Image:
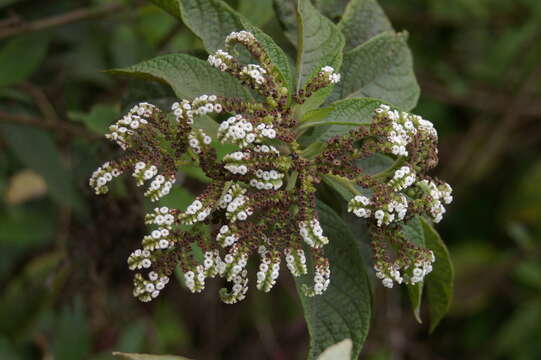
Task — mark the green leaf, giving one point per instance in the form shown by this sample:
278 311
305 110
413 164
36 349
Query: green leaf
286 11
188 76
415 293
320 43
380 68
98 119
213 20
339 351
342 186
275 53
413 231
127 356
20 57
170 6
36 149
331 8
210 20
344 310
362 20
178 198
375 163
257 12
339 118
439 282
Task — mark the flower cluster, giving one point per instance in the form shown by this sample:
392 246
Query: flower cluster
261 198
138 116
102 176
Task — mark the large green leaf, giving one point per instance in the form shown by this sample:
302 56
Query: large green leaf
380 68
37 150
344 310
127 356
362 20
339 118
286 11
188 76
320 43
439 283
20 57
213 20
257 12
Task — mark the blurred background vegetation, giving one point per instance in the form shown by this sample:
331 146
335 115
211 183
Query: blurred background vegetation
65 287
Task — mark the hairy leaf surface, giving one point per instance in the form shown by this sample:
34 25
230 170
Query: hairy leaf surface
380 68
344 310
188 76
320 43
362 20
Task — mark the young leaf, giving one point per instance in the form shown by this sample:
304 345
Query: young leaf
344 310
362 20
20 57
188 76
381 68
320 43
440 281
339 117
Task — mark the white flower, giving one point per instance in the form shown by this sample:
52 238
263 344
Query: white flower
312 233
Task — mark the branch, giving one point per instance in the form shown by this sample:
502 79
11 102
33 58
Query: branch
61 126
58 20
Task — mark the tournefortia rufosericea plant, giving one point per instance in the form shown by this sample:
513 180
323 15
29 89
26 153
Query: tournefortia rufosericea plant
261 201
262 198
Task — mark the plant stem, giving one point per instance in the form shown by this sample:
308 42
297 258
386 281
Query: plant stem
63 19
